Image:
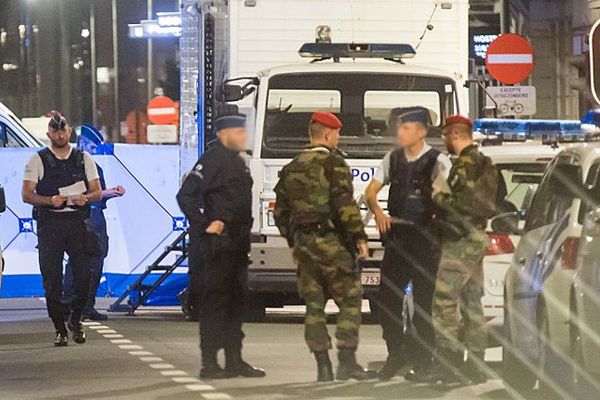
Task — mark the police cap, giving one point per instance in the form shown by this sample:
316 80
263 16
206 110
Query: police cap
233 120
414 114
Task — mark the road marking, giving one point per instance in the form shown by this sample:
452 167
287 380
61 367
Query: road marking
141 353
173 372
186 379
90 323
199 387
120 341
216 396
113 336
151 359
130 347
162 366
165 369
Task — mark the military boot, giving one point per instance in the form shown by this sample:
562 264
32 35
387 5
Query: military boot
392 365
76 330
324 367
474 370
348 368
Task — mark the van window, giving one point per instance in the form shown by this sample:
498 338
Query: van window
560 186
368 104
379 104
591 200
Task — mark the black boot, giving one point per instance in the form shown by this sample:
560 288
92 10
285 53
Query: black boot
474 370
76 330
391 367
348 368
445 369
210 367
94 315
236 366
417 371
324 367
62 339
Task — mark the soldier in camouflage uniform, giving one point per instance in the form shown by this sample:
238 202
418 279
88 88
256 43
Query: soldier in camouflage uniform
465 205
317 214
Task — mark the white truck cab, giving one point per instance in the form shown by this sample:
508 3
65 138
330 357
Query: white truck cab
366 89
12 131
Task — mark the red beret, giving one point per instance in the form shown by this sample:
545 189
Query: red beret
328 119
458 119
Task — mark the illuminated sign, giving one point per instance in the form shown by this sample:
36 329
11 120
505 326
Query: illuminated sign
481 42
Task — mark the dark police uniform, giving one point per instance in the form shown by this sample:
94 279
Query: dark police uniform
219 188
412 250
61 231
96 223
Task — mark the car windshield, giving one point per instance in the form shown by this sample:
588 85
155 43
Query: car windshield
368 104
518 184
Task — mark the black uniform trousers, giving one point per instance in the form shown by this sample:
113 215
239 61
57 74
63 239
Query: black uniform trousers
195 271
412 253
60 233
224 273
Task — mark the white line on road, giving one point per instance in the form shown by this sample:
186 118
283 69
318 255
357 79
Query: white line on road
151 359
90 323
216 396
173 372
199 387
103 331
113 336
162 366
120 341
96 327
186 379
130 347
141 353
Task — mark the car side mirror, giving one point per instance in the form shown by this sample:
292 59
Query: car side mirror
507 223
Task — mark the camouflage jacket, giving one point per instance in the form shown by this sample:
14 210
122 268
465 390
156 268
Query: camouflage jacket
473 181
317 186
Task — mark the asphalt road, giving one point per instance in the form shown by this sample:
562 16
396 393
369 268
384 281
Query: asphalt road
154 355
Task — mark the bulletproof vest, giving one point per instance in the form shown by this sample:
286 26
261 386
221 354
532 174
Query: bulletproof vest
411 187
60 173
307 184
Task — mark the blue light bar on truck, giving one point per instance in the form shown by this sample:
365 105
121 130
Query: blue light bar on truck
357 50
548 131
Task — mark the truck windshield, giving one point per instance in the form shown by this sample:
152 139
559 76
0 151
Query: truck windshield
368 104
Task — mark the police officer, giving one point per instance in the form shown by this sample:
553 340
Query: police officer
465 203
51 184
88 141
216 197
316 212
411 241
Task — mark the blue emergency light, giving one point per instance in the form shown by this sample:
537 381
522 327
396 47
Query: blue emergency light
548 131
388 51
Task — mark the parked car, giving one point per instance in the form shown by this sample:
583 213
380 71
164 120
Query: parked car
543 339
12 131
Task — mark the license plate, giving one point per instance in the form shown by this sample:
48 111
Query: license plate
371 278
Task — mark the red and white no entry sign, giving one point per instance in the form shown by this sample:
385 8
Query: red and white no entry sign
162 110
510 59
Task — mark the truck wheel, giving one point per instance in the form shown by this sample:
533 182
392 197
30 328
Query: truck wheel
516 374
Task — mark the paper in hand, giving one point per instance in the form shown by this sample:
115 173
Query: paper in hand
74 190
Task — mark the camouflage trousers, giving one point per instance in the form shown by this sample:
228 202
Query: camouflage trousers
457 311
326 270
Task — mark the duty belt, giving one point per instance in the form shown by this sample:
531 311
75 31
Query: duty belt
316 227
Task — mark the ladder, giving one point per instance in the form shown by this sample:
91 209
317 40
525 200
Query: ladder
138 293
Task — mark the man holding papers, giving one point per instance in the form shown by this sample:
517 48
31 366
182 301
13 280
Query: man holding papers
61 182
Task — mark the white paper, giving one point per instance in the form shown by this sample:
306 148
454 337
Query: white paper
74 190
